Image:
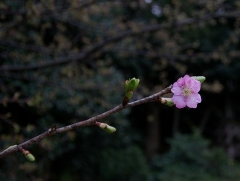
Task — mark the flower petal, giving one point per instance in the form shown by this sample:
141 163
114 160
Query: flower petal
179 101
193 100
188 82
195 86
186 76
198 98
176 89
180 82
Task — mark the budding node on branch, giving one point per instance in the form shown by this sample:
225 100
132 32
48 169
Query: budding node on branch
27 155
105 127
166 101
130 87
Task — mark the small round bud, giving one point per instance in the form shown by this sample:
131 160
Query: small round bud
166 101
107 128
131 85
28 155
199 78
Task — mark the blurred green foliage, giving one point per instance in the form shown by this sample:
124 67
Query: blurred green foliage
127 164
192 158
63 61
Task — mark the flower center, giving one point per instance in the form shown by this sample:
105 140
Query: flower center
186 91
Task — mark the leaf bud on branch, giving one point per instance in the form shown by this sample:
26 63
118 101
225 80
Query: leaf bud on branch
27 155
105 127
130 87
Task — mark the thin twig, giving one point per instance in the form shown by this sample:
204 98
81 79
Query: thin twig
87 122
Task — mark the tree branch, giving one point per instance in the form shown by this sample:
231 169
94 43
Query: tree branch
87 122
26 46
98 46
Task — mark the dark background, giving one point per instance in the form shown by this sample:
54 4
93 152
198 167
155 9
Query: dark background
65 61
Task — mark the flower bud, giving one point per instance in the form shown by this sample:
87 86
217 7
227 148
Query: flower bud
107 128
199 78
166 101
127 97
129 94
131 85
28 155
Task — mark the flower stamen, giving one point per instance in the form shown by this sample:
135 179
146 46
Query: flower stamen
186 92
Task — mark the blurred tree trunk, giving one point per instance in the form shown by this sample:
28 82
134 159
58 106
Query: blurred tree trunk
153 133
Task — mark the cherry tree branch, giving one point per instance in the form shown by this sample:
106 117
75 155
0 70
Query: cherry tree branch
88 122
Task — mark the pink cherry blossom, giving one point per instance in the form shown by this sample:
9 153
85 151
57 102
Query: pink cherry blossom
185 92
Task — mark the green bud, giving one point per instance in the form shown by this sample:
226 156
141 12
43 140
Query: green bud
131 85
199 78
28 155
107 128
129 94
166 101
